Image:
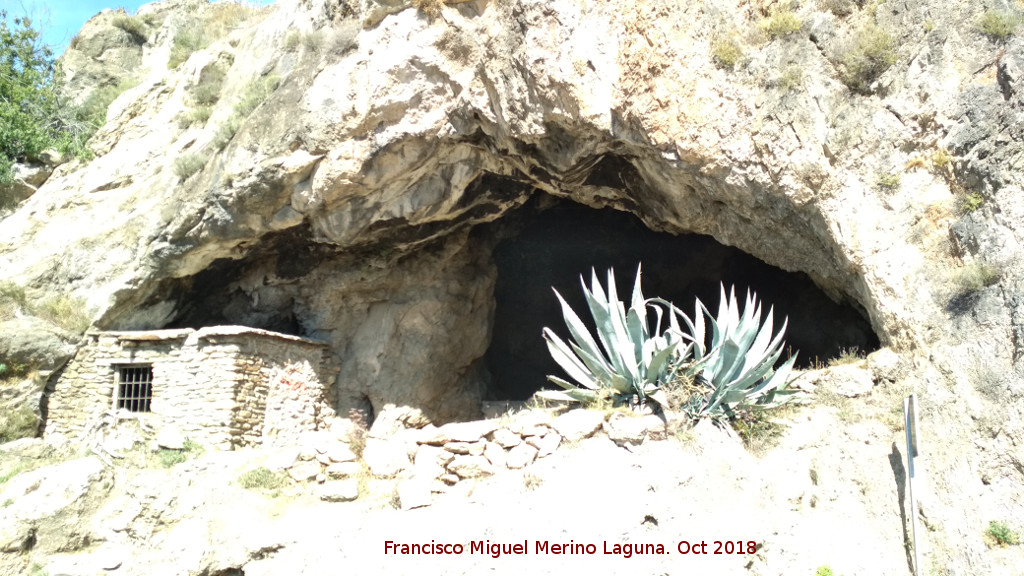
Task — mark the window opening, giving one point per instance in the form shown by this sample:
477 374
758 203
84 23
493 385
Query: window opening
135 388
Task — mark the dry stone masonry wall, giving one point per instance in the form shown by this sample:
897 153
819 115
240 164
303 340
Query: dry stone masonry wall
227 387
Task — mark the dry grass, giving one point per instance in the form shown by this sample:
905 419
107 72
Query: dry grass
133 25
69 313
18 423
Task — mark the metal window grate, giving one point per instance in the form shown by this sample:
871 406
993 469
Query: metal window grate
135 388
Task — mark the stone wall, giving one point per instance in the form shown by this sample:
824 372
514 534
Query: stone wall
225 387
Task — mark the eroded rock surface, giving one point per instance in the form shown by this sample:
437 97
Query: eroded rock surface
348 204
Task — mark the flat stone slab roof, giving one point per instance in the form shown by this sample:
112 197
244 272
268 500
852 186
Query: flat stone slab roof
194 335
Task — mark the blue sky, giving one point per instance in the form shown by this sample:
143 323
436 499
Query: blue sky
60 20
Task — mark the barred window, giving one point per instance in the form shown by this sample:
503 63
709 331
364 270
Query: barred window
135 388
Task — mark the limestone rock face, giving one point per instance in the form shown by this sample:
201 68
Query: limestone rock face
350 203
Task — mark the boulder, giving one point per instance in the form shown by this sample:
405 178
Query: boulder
575 425
470 466
468 431
339 490
33 342
506 438
343 469
521 456
385 457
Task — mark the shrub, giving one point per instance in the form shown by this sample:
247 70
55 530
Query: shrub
791 79
998 25
888 181
18 423
726 52
254 94
132 25
313 41
12 299
823 571
941 159
261 478
873 51
431 8
360 430
169 458
914 163
206 94
220 19
1001 533
975 277
840 8
971 201
197 115
782 23
93 109
187 165
291 41
186 41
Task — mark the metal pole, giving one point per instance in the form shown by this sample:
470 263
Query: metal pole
910 423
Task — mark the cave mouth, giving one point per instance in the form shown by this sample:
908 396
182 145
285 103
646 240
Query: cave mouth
551 243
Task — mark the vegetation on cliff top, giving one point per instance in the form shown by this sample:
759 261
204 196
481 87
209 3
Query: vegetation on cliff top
34 116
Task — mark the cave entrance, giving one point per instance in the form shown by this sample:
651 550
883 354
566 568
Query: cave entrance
550 243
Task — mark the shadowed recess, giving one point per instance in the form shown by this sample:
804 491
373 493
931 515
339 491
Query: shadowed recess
544 248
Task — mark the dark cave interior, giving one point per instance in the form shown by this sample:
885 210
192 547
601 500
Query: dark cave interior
541 248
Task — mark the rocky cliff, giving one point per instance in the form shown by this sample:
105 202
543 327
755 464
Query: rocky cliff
341 170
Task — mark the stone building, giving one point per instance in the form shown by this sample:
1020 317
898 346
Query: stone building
224 386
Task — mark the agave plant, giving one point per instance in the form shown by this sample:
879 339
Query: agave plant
633 358
739 365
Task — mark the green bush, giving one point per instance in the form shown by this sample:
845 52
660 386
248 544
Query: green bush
186 41
291 41
781 23
28 102
1001 533
19 423
823 571
971 201
188 164
726 52
888 181
261 478
872 53
169 458
133 25
998 25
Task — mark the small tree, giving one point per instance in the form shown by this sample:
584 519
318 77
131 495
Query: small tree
27 99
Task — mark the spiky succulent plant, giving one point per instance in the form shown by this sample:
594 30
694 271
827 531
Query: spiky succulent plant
633 358
739 364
